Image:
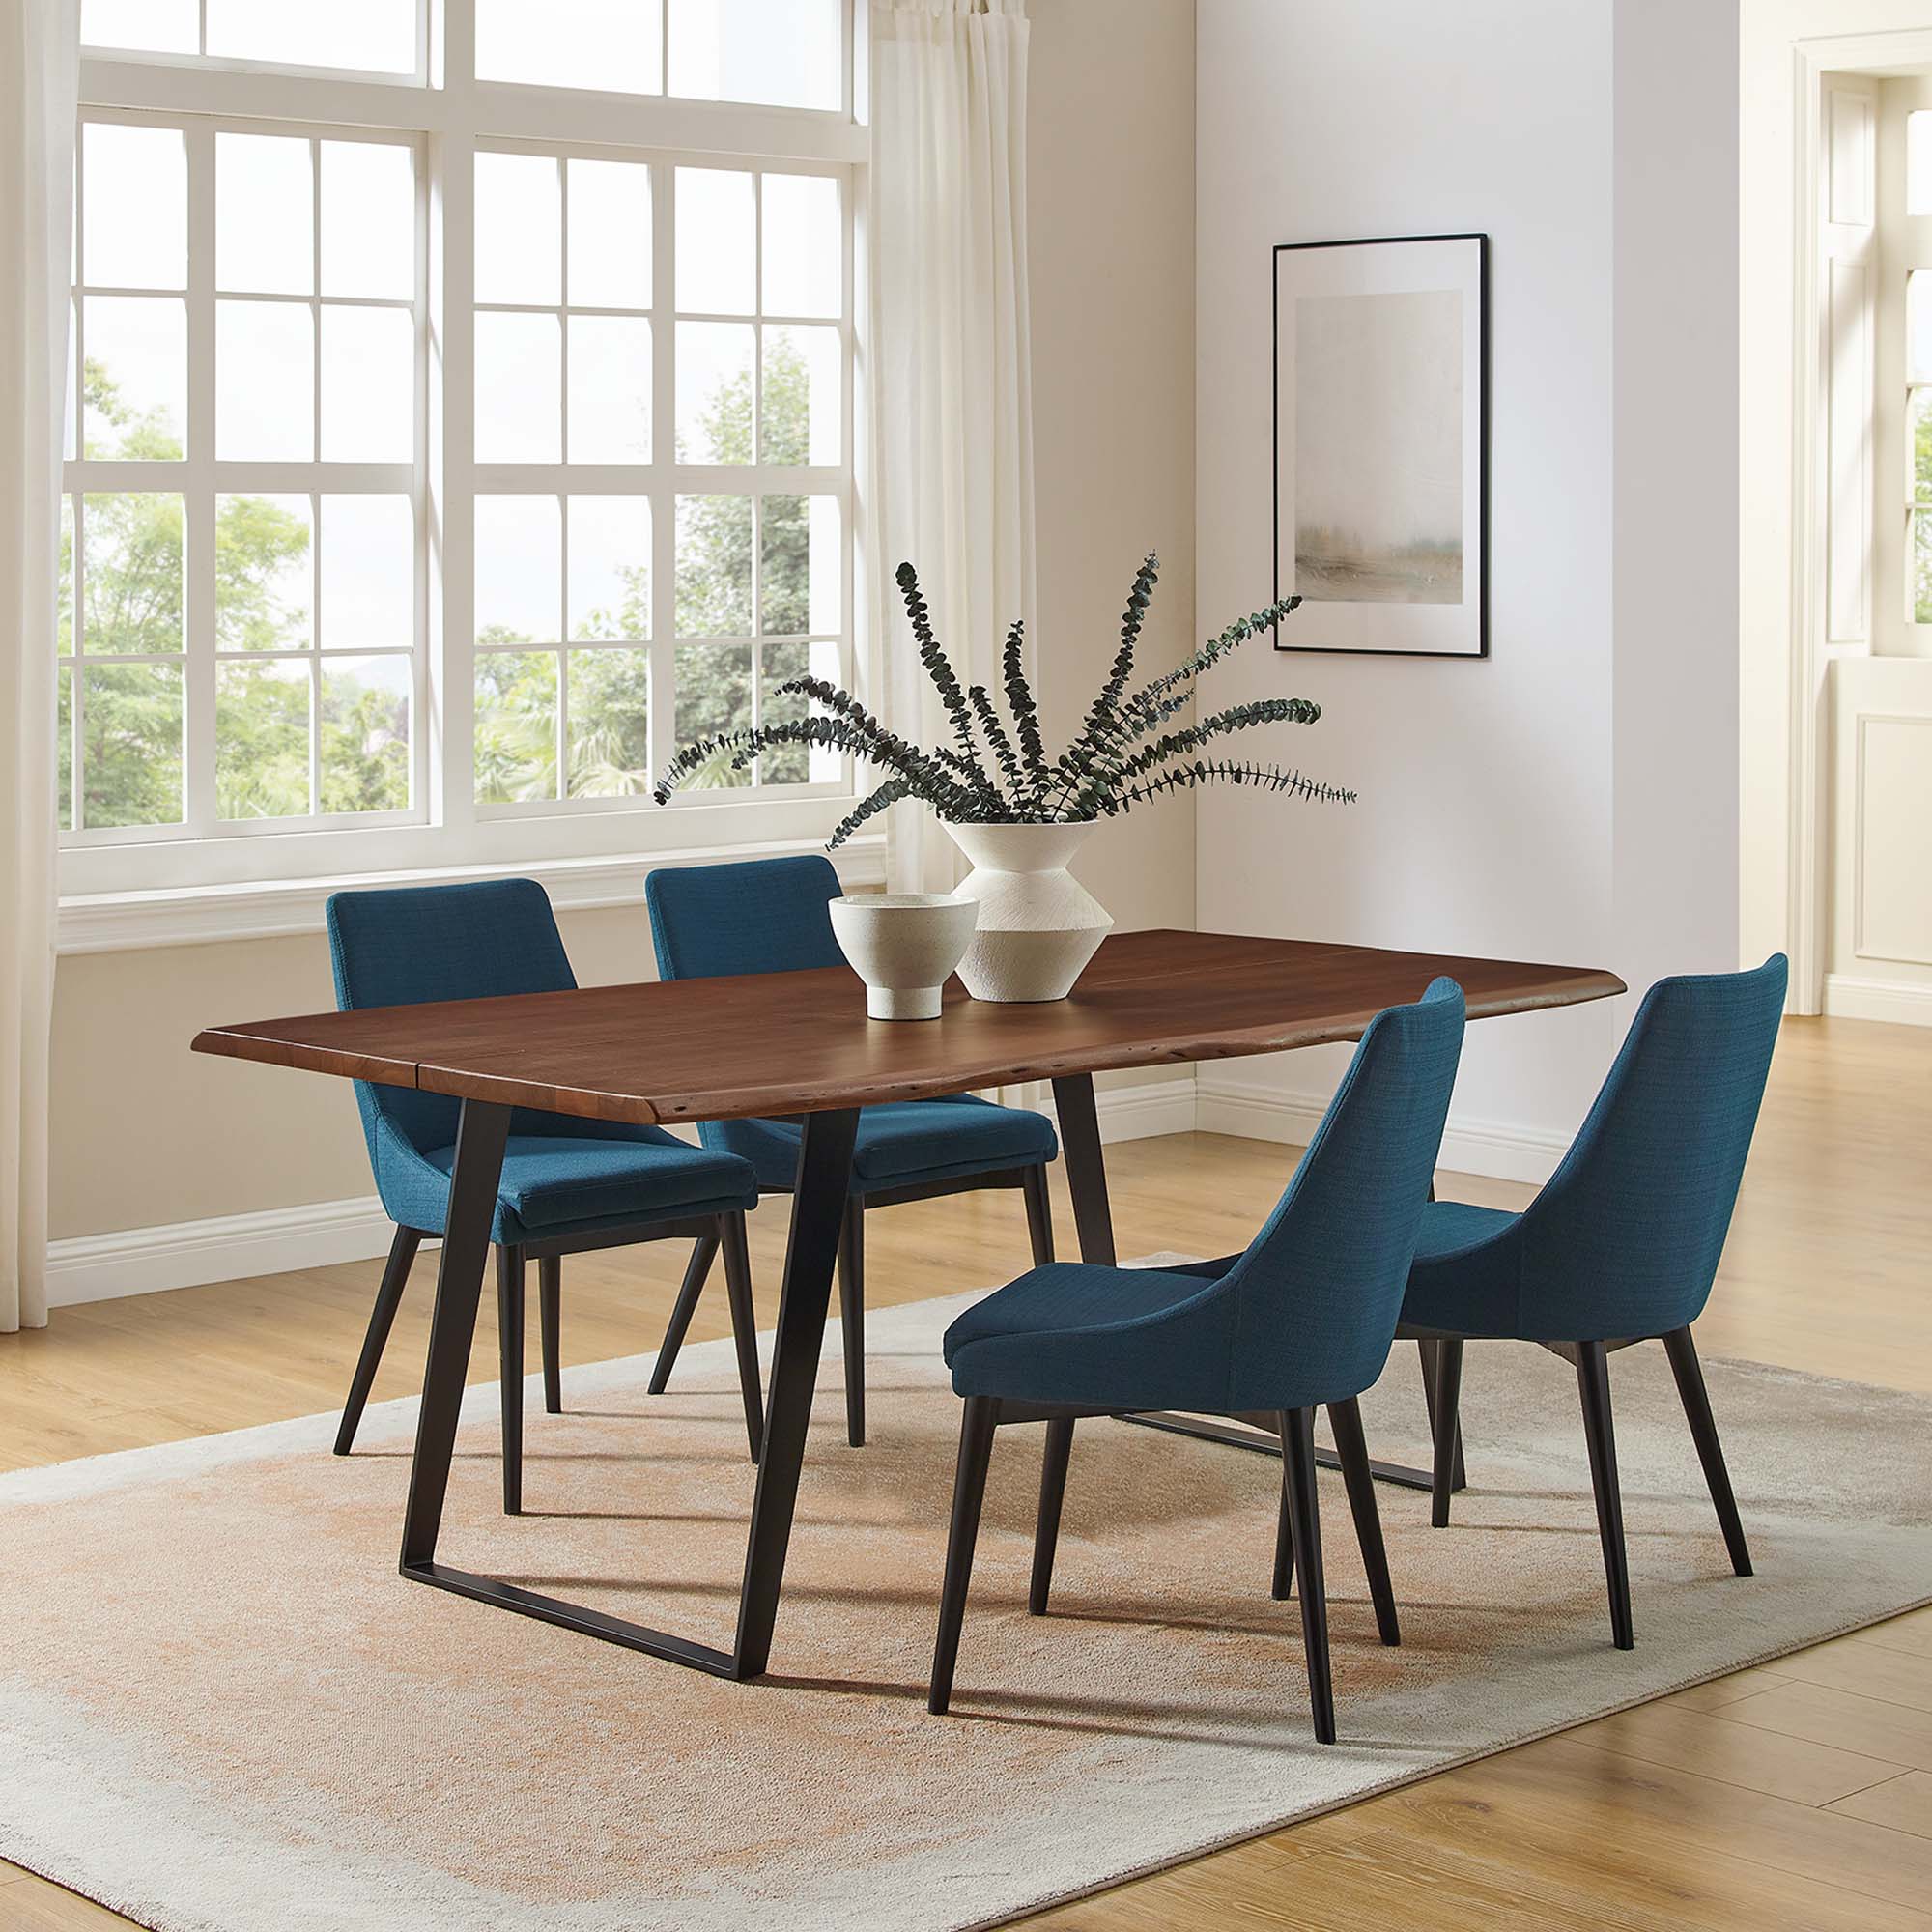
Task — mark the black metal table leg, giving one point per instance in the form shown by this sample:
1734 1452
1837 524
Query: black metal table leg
1086 1171
825 1164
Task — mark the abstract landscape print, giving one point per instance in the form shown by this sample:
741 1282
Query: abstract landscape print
1380 385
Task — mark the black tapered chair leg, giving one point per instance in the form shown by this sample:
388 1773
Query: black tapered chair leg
1426 1348
703 1252
1448 1381
852 1317
1304 1515
744 1325
1593 1383
969 1490
1696 1400
1040 1214
382 1319
550 1316
1352 1450
1281 1587
1046 1525
510 1363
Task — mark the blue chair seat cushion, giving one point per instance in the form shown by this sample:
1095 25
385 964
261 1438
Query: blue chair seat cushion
1072 1331
903 1143
557 1184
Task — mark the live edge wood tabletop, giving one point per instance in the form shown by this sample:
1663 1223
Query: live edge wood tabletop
800 1043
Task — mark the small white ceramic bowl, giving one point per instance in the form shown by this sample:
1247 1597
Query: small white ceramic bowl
903 945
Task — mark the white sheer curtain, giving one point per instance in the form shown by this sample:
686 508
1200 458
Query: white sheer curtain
951 395
39 78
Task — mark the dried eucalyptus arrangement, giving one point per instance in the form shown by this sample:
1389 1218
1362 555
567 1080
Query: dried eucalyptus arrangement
997 771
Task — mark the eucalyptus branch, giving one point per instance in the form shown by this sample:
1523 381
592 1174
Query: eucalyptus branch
888 794
1004 755
945 680
1116 773
1263 778
1026 711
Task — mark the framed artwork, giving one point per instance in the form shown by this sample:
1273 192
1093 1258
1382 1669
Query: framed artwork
1381 460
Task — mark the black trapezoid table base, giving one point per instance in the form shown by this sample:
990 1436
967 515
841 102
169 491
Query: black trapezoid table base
1236 1435
578 1617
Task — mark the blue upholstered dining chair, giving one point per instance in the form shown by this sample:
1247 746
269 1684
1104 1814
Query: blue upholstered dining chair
1303 1317
770 916
568 1185
1623 1243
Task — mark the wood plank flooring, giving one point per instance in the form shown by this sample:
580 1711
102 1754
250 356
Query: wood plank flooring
1795 1794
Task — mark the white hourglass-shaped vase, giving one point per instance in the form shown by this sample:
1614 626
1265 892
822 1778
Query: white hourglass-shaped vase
1039 925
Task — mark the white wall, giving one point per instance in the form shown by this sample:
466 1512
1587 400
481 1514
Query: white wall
1546 803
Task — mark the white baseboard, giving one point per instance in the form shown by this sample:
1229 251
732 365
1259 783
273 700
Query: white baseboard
1901 1002
1494 1148
189 1254
1146 1110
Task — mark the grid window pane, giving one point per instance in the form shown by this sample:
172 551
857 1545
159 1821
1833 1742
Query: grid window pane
1918 325
717 245
368 572
132 744
365 735
801 415
714 695
518 570
612 45
263 215
714 391
368 220
368 384
375 36
264 575
714 567
135 213
131 557
787 764
804 246
142 26
800 563
519 229
610 693
518 389
789 56
609 233
610 388
262 739
136 376
64 607
64 743
1921 566
1918 417
263 381
516 726
609 567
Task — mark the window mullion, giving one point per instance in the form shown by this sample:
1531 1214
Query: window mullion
452 518
198 671
664 498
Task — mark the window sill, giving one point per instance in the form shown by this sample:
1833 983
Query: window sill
208 914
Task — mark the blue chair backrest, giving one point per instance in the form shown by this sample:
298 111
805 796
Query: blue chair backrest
1319 1288
1623 1242
422 943
760 916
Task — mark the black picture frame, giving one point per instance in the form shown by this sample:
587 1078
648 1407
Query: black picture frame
1481 420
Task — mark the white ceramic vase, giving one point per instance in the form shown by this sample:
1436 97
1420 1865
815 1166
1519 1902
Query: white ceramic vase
1039 925
903 946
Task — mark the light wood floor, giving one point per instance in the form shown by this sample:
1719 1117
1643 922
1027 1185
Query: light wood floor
1795 1796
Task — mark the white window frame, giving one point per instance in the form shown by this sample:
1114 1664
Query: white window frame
450 117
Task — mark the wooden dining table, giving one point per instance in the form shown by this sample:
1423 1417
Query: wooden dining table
800 1044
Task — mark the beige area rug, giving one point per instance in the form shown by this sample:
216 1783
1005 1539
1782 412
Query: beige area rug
221 1710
